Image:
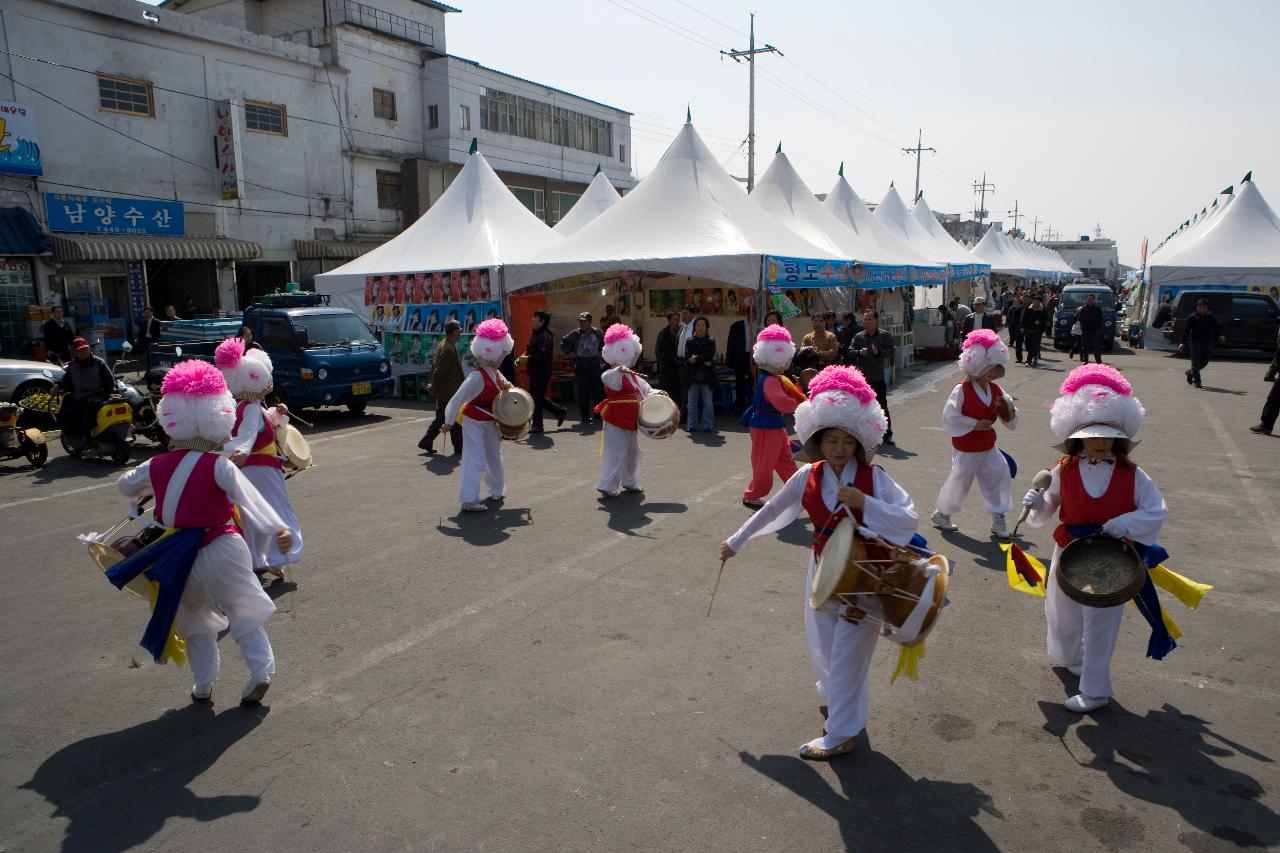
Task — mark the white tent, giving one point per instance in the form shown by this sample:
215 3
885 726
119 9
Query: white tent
476 224
994 249
599 197
687 217
947 250
850 210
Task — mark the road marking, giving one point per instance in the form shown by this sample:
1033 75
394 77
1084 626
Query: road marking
58 495
390 423
1258 498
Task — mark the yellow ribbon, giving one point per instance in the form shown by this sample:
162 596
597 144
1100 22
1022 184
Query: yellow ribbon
1184 589
908 662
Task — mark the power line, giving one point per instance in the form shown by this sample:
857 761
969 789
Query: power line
918 150
750 55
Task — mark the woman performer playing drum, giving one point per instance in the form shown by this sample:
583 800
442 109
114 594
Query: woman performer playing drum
841 425
623 391
1094 487
481 442
775 397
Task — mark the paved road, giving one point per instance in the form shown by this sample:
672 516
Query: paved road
544 677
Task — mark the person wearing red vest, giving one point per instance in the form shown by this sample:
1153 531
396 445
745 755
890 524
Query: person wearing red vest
775 397
969 418
195 488
841 425
252 448
473 402
623 391
1094 485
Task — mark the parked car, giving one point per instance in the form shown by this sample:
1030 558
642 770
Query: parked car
1249 321
20 377
1073 296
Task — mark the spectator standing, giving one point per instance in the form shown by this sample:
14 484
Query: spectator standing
700 356
737 355
872 352
609 318
1199 336
58 334
446 378
189 309
170 314
1035 320
686 332
947 321
1271 408
667 345
1089 316
148 333
1013 316
583 345
977 319
540 357
824 343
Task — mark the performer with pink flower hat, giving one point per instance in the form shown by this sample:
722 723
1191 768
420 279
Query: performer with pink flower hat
473 401
623 391
252 447
969 417
203 565
775 396
840 426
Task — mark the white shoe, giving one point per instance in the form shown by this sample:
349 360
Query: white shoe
997 527
202 692
942 522
1075 670
635 490
608 493
255 690
1082 704
474 508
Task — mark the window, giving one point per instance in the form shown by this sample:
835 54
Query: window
384 104
622 153
276 333
562 203
532 199
433 117
388 190
122 95
265 118
466 117
1251 309
502 112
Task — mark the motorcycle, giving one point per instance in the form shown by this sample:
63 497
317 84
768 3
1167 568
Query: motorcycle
144 399
16 441
112 431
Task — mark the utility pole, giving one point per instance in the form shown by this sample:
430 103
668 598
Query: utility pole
750 55
1035 229
1014 213
916 151
982 189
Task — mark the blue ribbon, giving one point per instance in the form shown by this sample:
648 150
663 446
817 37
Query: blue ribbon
1160 642
1013 466
168 562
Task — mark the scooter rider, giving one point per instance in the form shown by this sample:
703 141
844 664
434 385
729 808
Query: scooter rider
88 383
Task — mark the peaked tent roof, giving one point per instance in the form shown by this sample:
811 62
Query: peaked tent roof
599 197
995 250
850 210
1240 247
687 217
948 249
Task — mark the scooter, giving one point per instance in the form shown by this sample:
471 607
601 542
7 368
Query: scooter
145 421
111 433
16 441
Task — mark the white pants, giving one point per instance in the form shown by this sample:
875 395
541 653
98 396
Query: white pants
270 484
481 455
620 463
991 471
206 665
222 593
1080 635
841 656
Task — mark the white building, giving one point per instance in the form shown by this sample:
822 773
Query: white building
286 136
1094 256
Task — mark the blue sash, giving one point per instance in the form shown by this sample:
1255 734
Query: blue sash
168 562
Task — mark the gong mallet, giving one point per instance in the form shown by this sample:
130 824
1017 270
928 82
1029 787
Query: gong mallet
719 575
1039 482
294 417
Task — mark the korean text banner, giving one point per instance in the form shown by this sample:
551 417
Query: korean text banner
19 147
108 215
804 272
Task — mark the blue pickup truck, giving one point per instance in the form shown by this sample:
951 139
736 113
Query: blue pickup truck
320 355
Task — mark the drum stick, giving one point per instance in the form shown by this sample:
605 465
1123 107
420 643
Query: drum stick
1041 481
719 575
294 417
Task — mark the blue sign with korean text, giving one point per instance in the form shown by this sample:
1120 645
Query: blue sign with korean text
96 214
804 272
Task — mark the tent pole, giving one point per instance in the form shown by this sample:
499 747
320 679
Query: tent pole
503 308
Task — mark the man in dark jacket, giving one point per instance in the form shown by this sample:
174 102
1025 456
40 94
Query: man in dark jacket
583 345
1013 316
978 319
446 377
1271 408
1199 336
148 332
57 337
1090 317
872 352
667 347
88 383
737 355
541 354
1035 320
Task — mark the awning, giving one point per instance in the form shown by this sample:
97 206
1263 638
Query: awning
343 250
133 247
20 234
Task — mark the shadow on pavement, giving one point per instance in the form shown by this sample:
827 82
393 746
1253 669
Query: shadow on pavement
331 420
879 807
629 512
893 451
442 463
1167 758
707 439
797 533
117 790
487 528
1231 391
59 468
985 552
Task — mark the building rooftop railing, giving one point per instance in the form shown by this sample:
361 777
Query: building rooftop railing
371 18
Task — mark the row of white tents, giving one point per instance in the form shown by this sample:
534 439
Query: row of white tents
1022 258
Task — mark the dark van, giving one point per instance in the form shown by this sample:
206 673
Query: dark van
1249 321
1064 317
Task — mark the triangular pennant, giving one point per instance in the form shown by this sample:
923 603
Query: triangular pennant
841 172
599 169
1229 190
779 151
475 145
1248 176
688 113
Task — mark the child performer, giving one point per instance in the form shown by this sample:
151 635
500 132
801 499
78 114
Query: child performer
969 417
623 391
481 442
253 448
1094 485
775 396
204 567
841 425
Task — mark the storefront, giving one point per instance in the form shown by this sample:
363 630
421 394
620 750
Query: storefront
21 244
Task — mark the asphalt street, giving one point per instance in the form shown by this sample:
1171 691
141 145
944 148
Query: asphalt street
544 677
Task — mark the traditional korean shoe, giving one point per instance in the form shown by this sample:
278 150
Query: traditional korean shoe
942 522
1075 669
752 503
201 692
813 751
633 490
608 493
255 690
998 529
1082 704
474 508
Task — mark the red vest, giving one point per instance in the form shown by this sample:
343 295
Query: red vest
622 407
1079 507
264 445
203 502
824 522
481 407
978 441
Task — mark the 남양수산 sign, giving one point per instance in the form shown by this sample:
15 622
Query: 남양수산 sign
109 215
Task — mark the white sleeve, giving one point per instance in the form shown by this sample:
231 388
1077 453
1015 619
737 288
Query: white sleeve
612 379
891 513
274 418
1048 510
781 509
136 482
242 439
645 388
254 509
466 392
955 424
1143 524
1013 405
